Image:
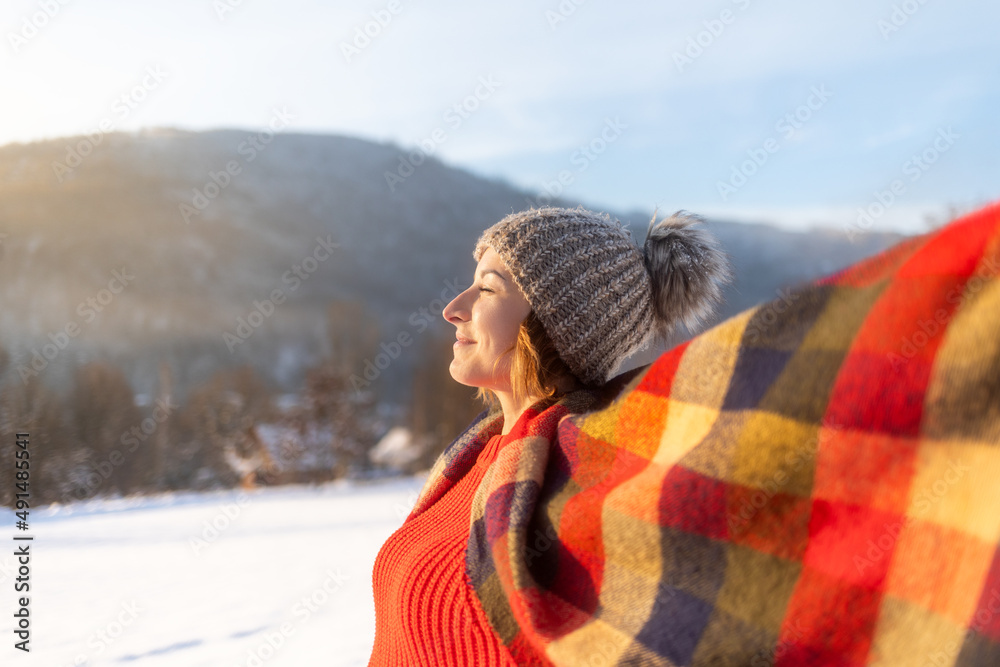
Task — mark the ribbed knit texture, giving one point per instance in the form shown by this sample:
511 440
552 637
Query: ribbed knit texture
426 612
599 296
585 279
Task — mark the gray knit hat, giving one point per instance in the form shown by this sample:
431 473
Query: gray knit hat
598 295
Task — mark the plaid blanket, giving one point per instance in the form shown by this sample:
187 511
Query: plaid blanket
813 482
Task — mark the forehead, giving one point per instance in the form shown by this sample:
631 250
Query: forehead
490 261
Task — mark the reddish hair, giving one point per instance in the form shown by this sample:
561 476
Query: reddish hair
536 368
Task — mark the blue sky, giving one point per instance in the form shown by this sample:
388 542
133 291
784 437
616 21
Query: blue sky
680 104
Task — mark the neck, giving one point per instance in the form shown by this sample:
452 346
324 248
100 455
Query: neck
512 409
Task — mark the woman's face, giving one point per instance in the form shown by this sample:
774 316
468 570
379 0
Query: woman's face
487 317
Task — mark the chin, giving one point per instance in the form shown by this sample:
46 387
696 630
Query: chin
464 378
458 376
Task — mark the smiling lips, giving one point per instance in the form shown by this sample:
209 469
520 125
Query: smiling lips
462 340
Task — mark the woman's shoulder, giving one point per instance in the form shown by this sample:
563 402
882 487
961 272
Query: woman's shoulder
598 397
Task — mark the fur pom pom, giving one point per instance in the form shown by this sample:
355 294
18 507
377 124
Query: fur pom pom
687 269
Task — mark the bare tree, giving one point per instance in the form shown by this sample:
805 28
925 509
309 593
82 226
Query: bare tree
159 446
219 421
339 423
103 410
34 409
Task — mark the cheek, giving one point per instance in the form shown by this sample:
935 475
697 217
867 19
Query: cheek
502 333
505 340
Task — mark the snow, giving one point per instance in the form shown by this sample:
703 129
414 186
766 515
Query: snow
276 577
396 449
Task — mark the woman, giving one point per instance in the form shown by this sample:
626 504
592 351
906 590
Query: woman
559 299
811 482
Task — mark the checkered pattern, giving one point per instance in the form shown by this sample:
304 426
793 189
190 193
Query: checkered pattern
813 482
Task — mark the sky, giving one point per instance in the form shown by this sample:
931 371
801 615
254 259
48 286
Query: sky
877 114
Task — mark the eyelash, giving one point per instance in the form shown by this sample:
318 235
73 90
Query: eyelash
485 289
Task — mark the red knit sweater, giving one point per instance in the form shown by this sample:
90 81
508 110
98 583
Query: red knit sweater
425 610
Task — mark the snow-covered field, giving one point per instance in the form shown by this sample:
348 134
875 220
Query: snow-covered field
272 577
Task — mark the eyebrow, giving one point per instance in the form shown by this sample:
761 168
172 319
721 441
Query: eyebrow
494 272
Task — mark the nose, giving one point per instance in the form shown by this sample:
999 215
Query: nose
457 311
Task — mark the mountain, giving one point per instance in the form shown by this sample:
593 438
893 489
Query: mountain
169 246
